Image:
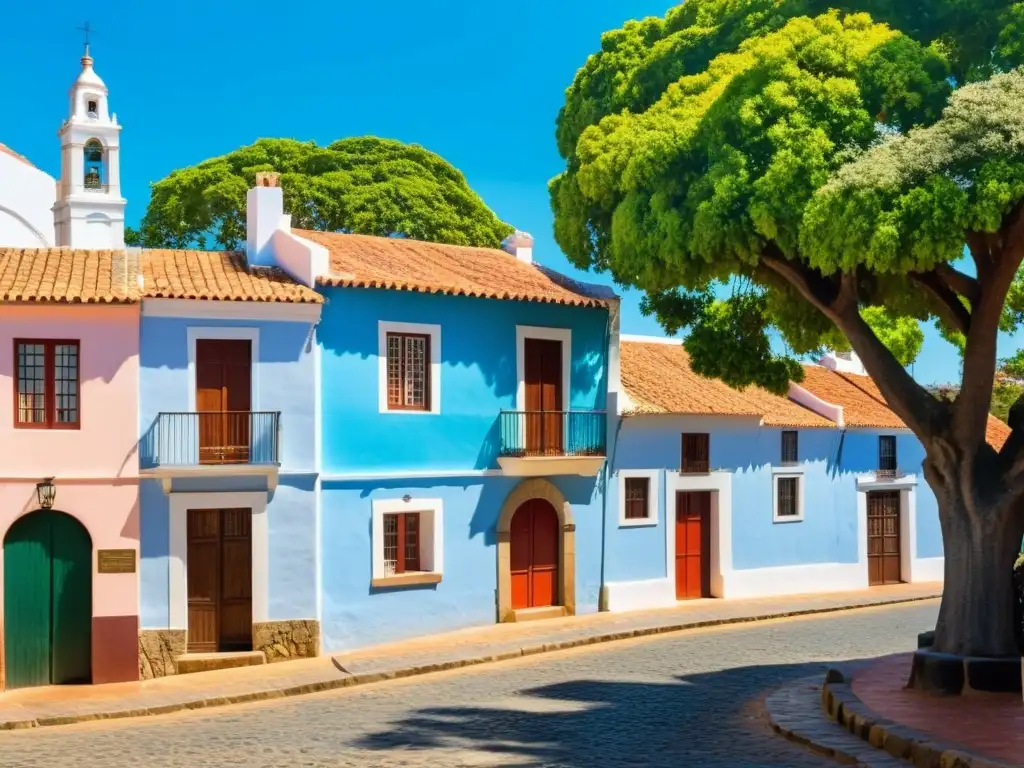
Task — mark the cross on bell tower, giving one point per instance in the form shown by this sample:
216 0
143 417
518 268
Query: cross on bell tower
89 212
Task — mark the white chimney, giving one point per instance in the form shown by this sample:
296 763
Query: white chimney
844 362
264 214
520 245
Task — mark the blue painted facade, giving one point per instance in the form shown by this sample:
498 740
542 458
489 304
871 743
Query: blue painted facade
284 381
449 455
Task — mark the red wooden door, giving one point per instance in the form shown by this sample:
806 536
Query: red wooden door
543 378
884 566
534 555
223 399
693 544
219 580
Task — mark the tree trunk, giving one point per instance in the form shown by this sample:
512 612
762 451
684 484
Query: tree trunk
977 616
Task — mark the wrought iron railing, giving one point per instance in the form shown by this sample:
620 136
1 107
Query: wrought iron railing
215 437
552 433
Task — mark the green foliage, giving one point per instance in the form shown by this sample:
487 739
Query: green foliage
364 185
1013 366
1004 395
721 166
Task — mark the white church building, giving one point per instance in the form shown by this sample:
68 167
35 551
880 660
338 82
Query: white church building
84 208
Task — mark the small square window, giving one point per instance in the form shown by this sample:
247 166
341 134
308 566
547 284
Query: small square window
92 108
47 384
637 500
407 542
887 455
696 453
408 372
790 448
788 503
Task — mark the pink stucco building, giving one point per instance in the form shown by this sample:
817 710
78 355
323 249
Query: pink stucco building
69 357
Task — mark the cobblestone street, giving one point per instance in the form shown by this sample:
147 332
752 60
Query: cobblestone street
666 701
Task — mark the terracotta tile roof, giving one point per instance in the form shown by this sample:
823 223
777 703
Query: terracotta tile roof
4 149
66 276
363 261
996 432
863 405
217 276
658 379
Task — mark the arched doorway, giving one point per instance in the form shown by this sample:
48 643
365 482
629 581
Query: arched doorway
47 601
534 555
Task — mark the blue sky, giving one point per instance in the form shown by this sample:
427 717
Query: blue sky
479 83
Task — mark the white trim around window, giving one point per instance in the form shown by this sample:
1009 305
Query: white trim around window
273 311
524 332
431 512
180 504
195 333
791 473
384 327
653 497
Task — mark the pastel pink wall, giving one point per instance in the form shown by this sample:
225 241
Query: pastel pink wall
95 468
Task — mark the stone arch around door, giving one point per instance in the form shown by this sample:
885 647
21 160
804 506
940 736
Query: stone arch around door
527 490
47 600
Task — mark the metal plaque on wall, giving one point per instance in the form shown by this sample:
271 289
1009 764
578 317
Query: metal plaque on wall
115 560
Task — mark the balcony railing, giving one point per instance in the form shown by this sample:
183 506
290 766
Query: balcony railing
215 437
526 434
695 467
888 473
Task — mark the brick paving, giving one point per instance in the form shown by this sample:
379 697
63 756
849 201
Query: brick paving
990 725
688 698
62 705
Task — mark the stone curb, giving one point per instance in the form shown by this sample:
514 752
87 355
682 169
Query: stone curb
902 742
367 678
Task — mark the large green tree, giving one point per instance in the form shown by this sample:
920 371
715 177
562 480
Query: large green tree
364 185
820 164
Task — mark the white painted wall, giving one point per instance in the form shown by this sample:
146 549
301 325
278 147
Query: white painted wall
27 195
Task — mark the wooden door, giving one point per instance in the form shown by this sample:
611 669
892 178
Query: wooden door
219 580
884 565
543 379
693 544
534 555
223 399
47 601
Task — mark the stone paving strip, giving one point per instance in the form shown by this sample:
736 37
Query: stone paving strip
829 718
795 712
62 705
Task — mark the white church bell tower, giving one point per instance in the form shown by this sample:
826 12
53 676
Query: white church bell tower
89 212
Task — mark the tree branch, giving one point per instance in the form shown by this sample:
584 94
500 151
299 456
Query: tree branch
836 299
1005 251
965 285
951 309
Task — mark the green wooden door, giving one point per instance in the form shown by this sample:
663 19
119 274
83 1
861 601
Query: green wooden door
47 601
27 608
72 601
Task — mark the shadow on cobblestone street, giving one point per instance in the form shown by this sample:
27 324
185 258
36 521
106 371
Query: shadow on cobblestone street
595 723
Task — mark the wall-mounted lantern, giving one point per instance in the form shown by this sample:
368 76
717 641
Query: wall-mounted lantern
46 493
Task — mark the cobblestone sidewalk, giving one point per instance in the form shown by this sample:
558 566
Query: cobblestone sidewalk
29 708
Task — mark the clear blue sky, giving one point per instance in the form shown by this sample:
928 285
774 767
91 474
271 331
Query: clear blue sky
478 82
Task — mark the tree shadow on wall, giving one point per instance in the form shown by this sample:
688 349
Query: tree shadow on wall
699 719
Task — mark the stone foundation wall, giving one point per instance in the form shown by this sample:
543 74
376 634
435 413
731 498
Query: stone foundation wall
288 639
158 648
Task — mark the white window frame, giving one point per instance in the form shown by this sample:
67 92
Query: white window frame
384 327
564 335
431 512
653 497
796 473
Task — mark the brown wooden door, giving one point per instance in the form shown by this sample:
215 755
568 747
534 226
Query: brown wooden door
693 544
223 399
543 379
219 580
884 566
534 555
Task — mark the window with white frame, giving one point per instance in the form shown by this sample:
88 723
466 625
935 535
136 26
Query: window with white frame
408 540
638 495
788 504
409 355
